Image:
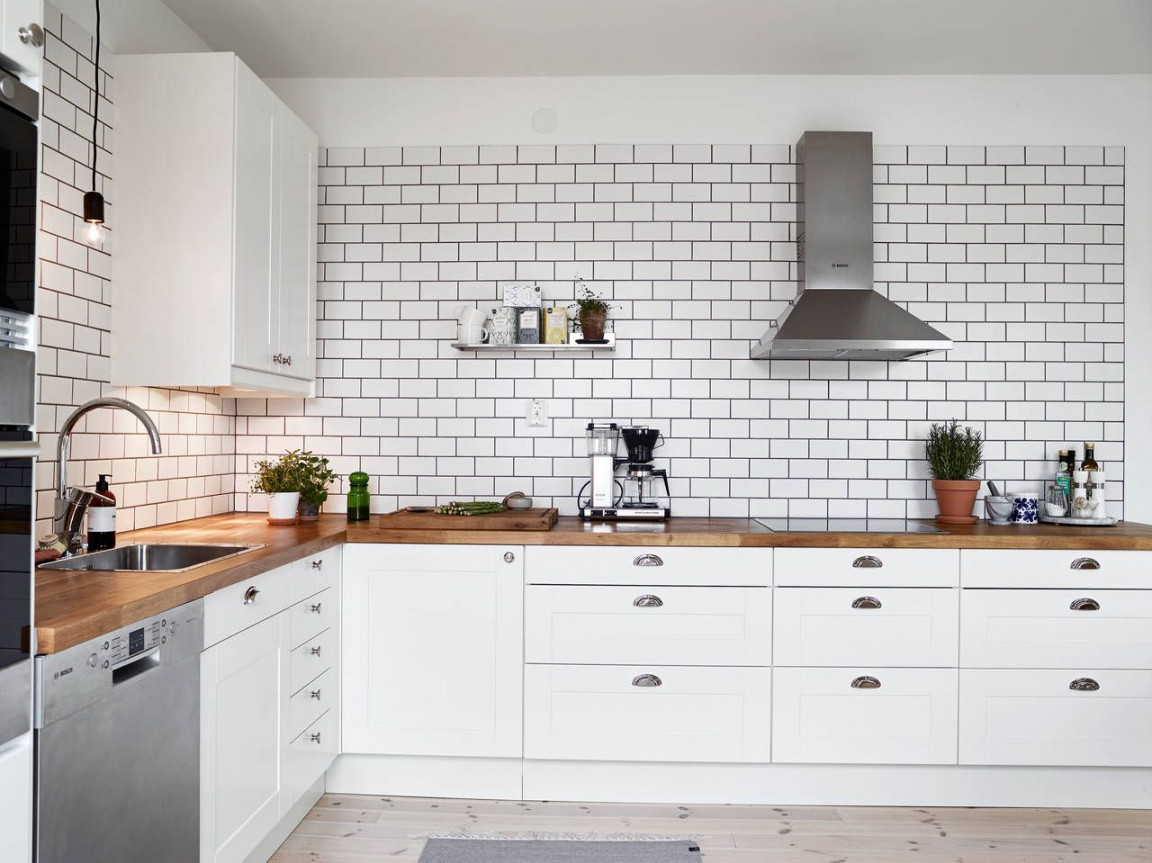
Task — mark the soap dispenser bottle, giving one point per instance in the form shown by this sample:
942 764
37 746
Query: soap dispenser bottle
102 517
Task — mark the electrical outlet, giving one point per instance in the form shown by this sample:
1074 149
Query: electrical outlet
537 413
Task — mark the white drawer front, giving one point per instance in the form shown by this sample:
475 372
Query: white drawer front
1034 717
820 717
848 567
597 713
730 567
238 606
305 706
1056 628
311 616
654 625
308 756
310 660
1072 569
875 626
314 573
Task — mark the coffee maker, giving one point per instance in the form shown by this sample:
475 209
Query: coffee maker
638 496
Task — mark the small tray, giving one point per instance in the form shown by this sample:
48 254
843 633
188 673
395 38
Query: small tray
1078 522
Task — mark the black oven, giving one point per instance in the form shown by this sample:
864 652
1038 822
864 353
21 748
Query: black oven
18 449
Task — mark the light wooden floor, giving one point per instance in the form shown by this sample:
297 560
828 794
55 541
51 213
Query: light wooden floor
347 829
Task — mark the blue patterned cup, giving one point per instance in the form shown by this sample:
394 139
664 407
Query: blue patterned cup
1025 509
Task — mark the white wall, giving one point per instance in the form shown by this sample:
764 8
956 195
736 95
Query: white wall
134 26
952 110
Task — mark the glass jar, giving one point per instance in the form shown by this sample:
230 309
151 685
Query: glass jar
359 500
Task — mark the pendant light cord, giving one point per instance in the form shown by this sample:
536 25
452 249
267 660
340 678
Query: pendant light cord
96 104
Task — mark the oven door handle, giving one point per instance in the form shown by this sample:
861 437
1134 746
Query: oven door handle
19 449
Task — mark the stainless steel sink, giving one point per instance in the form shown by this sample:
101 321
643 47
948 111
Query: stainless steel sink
149 558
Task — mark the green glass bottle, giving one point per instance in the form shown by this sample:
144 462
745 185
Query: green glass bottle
359 500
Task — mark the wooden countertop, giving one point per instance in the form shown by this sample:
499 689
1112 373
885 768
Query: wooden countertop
747 533
72 607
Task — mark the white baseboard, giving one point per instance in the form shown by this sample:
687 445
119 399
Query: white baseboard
838 785
427 776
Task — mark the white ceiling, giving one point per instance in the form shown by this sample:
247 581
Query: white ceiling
384 38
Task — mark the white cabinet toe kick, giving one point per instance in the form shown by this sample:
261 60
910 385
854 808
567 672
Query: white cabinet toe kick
834 676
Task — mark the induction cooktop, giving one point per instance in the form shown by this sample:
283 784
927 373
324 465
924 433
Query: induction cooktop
846 525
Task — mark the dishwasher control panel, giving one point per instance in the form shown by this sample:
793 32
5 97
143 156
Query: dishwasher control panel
86 672
126 644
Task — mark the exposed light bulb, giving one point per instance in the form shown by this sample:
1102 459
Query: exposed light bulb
94 234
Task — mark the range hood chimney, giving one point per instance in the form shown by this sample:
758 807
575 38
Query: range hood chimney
837 315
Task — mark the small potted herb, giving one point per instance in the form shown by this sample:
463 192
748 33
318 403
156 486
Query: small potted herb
592 313
954 457
281 481
315 479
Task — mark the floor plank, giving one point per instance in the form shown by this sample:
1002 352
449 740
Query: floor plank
354 829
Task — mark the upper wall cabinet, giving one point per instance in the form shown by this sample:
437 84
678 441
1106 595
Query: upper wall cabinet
214 276
22 35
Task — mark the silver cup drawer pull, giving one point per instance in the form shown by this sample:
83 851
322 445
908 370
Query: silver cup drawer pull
648 601
1083 684
867 602
648 560
647 680
867 561
1085 604
1085 563
250 595
865 682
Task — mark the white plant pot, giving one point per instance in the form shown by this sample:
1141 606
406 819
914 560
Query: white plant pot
282 506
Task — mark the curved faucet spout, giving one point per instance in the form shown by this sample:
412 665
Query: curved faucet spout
64 440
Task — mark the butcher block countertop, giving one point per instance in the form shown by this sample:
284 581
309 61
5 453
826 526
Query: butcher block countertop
747 533
72 607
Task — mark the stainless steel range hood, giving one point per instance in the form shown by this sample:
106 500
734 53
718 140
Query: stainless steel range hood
837 315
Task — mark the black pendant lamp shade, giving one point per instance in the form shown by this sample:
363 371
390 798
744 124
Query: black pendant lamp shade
94 208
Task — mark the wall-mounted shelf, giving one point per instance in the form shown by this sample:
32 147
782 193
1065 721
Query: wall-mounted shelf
567 349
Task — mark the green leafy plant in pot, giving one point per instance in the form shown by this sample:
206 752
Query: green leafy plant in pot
281 480
592 313
954 458
315 480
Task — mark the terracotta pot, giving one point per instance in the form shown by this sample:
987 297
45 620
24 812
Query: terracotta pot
592 324
956 498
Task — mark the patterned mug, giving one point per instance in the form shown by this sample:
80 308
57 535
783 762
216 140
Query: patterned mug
1025 509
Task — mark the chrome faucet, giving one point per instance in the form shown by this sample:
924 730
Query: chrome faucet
72 503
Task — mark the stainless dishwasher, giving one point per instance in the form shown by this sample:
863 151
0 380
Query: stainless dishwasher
118 744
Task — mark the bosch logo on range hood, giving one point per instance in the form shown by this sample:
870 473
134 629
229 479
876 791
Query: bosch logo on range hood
837 315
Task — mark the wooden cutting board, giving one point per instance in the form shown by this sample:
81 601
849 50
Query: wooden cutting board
537 518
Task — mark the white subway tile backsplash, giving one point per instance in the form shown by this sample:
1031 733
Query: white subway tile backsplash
1016 252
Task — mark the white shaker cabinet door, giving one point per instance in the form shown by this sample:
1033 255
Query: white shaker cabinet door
295 299
243 683
433 650
257 209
